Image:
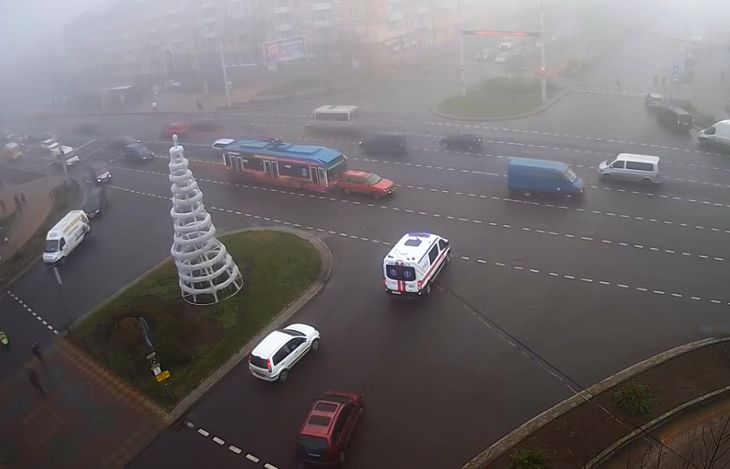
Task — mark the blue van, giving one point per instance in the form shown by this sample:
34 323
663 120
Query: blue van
542 176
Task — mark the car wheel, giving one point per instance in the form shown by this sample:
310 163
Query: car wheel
427 290
606 177
315 344
283 376
376 195
341 460
448 257
648 181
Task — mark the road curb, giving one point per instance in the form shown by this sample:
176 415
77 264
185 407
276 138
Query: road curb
325 271
531 426
542 108
660 420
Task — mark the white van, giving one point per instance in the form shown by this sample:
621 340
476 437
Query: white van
718 135
65 236
413 264
631 167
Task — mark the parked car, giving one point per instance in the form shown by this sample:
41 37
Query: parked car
273 357
503 58
96 202
654 100
123 141
100 174
392 144
462 142
176 128
221 143
11 151
362 182
328 428
139 152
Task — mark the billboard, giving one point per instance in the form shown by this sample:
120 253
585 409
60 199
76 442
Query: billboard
282 50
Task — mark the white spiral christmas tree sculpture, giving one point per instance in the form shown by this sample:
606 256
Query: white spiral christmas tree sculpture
206 272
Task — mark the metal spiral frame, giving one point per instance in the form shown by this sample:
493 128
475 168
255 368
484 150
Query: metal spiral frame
206 272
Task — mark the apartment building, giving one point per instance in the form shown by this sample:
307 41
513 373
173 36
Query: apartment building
159 37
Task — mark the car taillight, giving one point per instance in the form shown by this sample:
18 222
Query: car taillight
268 365
419 284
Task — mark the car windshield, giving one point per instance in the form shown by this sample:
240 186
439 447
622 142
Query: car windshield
257 361
52 245
373 179
570 175
313 446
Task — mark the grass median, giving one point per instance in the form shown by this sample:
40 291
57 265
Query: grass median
496 98
193 341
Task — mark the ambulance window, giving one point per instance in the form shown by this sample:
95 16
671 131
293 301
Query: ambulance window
400 272
443 244
433 253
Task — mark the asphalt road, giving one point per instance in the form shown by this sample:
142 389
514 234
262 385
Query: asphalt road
585 287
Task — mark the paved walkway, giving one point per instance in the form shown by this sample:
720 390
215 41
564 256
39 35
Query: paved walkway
87 418
25 222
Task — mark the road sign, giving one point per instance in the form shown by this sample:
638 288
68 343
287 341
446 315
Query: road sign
286 49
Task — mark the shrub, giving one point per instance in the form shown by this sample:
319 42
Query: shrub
529 459
634 399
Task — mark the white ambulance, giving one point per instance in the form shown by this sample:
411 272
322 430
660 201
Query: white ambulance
65 236
413 264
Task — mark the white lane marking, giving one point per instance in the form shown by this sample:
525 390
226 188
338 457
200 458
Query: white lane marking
32 312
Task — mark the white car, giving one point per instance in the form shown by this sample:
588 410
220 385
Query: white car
273 357
502 58
221 143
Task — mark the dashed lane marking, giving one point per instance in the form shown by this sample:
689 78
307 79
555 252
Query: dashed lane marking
490 223
481 261
221 442
38 317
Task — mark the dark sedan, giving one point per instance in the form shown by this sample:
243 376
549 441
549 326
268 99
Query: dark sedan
100 174
138 151
124 140
462 142
96 202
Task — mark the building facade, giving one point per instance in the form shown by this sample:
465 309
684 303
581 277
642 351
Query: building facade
160 37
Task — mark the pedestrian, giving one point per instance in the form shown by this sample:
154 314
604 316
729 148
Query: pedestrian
2 206
36 349
618 85
200 105
722 78
664 81
23 200
154 106
18 206
35 381
656 79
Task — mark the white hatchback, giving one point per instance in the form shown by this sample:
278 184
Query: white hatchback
274 356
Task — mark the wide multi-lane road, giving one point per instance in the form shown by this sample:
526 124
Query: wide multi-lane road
543 295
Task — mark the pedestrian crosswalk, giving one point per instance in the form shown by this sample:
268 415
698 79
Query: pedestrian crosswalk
609 92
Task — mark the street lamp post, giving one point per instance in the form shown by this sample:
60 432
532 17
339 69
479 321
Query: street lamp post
59 285
225 75
543 68
463 65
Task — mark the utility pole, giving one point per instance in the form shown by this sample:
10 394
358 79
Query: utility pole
461 61
59 285
62 159
225 75
543 67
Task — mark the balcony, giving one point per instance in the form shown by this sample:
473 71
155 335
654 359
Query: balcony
395 16
284 27
322 23
281 10
321 6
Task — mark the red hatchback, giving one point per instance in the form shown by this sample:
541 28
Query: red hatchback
176 128
365 183
327 430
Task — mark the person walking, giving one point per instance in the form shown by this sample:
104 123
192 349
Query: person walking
2 206
18 205
35 381
36 349
199 104
23 200
154 106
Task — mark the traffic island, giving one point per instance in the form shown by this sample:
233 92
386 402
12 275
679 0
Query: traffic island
592 427
198 344
499 98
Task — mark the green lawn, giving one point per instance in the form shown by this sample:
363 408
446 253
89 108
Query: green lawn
293 85
193 341
496 98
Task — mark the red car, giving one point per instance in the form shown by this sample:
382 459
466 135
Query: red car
326 432
176 128
366 183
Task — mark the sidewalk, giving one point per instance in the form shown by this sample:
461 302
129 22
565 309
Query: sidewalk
88 417
26 222
707 92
